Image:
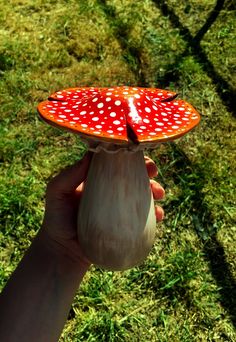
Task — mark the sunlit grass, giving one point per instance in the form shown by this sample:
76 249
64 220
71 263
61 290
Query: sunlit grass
183 291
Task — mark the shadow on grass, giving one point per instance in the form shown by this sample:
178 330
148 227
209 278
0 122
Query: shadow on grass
203 224
131 54
206 231
224 90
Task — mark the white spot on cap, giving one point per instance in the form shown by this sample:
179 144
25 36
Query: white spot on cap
146 120
95 118
84 125
98 126
116 122
113 114
118 103
100 105
83 112
120 128
95 99
147 109
108 99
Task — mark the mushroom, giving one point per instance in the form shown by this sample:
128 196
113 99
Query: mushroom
116 218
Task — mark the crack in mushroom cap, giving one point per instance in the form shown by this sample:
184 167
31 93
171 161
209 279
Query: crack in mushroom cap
120 114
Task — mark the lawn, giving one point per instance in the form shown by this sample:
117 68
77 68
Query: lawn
186 289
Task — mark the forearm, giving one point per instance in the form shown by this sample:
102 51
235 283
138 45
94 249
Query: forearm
35 303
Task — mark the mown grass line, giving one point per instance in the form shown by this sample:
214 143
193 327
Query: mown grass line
204 226
224 90
121 32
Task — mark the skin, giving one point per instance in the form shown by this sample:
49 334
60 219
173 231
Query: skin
35 303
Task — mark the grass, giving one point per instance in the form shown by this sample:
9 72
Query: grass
185 290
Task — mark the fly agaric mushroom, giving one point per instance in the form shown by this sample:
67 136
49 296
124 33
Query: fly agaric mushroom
116 219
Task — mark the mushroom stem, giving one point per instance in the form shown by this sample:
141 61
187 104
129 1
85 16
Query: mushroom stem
116 219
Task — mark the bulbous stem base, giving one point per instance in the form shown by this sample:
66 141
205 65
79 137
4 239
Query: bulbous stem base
116 219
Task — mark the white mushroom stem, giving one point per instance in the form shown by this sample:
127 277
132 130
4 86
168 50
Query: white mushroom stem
116 219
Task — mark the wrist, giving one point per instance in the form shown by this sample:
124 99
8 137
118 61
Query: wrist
61 253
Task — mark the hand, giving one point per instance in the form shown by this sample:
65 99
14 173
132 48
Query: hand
62 200
157 189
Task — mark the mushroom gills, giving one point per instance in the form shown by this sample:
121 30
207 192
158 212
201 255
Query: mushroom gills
116 219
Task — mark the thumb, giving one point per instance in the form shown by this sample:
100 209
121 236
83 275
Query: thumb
70 178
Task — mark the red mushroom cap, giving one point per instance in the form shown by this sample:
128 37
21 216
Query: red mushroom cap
120 114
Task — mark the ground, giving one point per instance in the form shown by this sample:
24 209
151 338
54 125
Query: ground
186 289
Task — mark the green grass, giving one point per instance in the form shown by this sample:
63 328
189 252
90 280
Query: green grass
185 290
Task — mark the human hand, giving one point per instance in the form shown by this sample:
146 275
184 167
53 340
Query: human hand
62 200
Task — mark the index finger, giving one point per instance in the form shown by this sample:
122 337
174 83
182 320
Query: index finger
151 167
